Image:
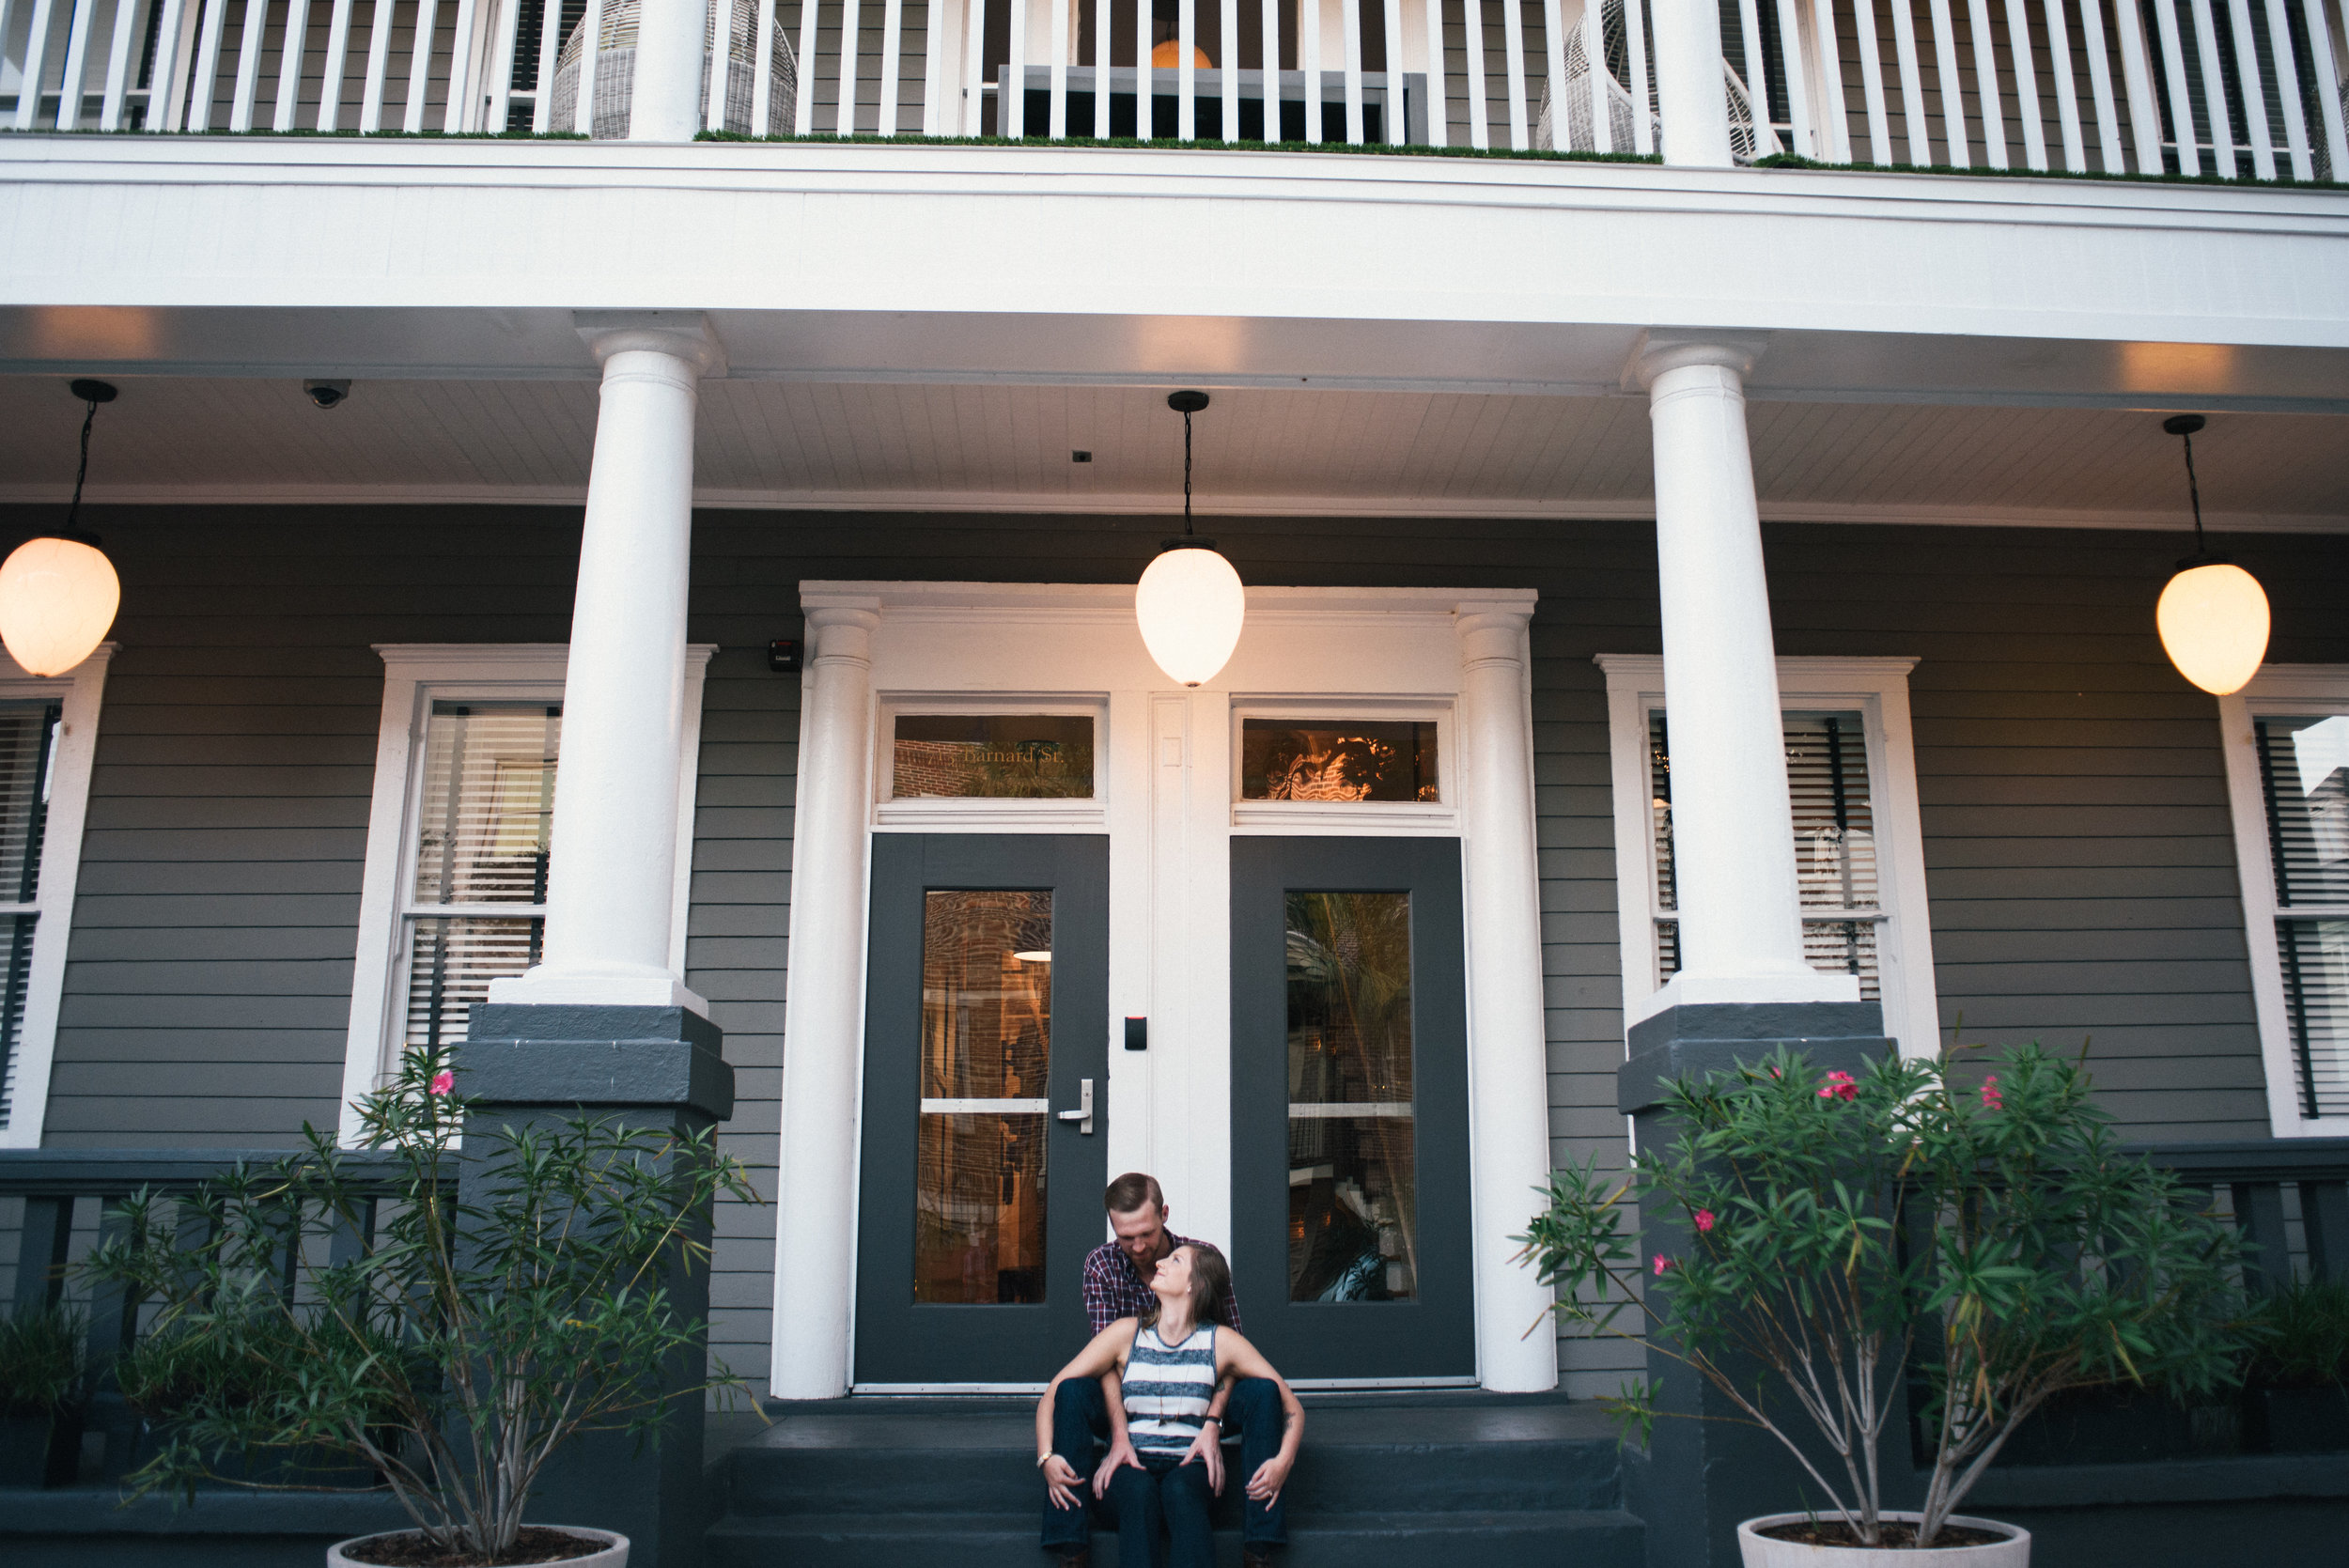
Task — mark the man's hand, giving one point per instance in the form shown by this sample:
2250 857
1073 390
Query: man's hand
1061 1481
1207 1449
1121 1453
1264 1485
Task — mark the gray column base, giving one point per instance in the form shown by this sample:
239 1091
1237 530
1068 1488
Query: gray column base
652 1066
1701 1472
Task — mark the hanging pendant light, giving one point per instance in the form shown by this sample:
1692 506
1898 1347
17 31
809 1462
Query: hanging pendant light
2212 618
1189 602
58 594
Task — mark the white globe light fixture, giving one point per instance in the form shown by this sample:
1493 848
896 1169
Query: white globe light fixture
2213 617
58 593
1189 603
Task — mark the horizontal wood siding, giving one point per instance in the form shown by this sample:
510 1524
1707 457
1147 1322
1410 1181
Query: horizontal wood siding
2077 841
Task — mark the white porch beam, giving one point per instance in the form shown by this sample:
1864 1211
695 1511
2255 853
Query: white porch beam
1740 909
611 892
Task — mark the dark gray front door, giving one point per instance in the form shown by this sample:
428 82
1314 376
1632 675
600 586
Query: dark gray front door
1349 1106
987 1018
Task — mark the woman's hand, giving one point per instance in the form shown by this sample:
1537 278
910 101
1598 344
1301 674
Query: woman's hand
1207 1449
1273 1474
1121 1453
1062 1480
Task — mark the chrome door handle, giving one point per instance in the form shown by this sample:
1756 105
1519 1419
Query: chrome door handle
1082 1115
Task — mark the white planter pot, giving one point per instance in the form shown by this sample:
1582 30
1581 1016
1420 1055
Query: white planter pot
1762 1551
615 1554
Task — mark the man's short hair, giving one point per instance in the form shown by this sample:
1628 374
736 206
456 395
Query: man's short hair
1131 1190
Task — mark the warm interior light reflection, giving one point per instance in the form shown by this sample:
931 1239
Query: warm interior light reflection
1034 957
2213 625
1189 605
57 598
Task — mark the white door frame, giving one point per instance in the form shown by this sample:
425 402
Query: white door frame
1165 771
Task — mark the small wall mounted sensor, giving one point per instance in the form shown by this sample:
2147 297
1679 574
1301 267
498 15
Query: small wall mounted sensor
783 656
1137 1034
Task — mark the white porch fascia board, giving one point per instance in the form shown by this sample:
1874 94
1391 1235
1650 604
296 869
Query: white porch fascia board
1878 685
485 669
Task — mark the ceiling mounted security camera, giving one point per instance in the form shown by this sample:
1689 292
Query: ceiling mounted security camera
326 395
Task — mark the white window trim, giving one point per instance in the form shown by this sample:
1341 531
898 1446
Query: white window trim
79 693
1878 689
1440 818
2279 689
414 675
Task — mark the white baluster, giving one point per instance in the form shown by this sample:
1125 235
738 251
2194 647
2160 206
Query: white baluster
378 65
1872 82
457 114
1916 124
1986 82
2247 68
1480 133
803 113
1757 75
1554 63
118 39
2067 86
1268 28
2328 104
292 53
338 62
420 53
1309 57
168 81
1011 97
1391 113
1643 132
1186 68
1797 89
2136 78
1104 63
591 63
892 44
1352 12
1834 114
2214 89
2288 69
1595 80
250 37
2100 87
1057 121
1227 37
2026 82
1952 91
933 65
1513 60
206 64
1145 86
844 119
34 65
72 86
1438 76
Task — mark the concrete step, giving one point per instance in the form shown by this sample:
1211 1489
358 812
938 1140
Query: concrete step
1511 1538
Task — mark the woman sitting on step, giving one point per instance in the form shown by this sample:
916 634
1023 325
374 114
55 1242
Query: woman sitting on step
1160 1372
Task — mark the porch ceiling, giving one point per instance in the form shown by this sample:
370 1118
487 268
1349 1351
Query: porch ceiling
882 445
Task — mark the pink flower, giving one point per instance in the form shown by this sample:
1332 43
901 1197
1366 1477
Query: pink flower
1662 1262
442 1081
1991 1098
1839 1086
1705 1219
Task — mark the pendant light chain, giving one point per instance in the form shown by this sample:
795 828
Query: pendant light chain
1187 534
74 512
2194 491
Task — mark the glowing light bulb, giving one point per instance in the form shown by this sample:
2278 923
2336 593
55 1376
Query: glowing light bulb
57 599
1190 604
2214 626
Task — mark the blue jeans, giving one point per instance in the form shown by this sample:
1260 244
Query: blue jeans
1080 1426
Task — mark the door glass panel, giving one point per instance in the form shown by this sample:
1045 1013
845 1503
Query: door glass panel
1353 1188
1383 759
987 1031
991 756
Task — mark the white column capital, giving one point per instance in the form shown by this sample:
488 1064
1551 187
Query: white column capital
1491 635
681 335
843 633
1660 352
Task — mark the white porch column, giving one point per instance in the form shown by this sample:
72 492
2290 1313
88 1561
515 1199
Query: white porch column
1733 861
612 882
1691 98
1508 1057
816 1220
664 97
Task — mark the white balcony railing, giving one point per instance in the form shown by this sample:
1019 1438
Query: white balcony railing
2234 87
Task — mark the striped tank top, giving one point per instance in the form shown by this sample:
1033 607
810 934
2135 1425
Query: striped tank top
1167 1389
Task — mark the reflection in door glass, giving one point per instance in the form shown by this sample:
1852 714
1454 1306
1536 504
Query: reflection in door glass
1353 1231
987 1031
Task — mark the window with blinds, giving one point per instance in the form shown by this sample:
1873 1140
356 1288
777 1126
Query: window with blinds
28 739
1835 845
2304 781
474 906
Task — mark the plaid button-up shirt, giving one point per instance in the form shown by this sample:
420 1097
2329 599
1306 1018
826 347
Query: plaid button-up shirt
1113 1290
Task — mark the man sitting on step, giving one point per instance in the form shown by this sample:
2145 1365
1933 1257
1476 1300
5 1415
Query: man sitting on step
1116 1285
